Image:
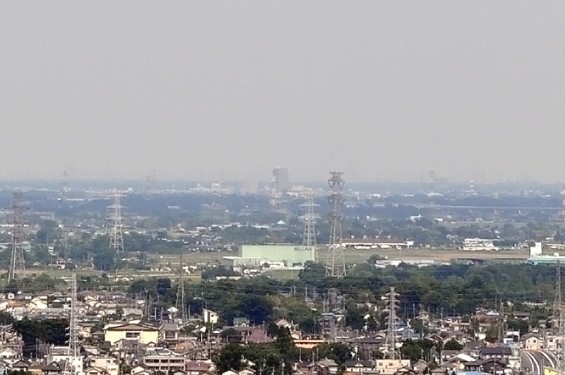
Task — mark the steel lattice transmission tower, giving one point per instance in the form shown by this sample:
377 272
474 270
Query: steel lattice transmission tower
17 260
335 263
309 219
561 353
562 193
74 363
115 224
180 300
557 300
391 307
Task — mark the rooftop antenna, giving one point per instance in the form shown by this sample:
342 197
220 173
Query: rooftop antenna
335 263
17 260
115 224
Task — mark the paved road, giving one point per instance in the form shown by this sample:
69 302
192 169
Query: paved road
533 361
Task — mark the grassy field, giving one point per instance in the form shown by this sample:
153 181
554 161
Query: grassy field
360 256
351 257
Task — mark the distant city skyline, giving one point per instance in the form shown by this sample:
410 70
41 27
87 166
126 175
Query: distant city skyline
204 91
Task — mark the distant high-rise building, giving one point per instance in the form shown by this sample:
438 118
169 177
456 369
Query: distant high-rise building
281 182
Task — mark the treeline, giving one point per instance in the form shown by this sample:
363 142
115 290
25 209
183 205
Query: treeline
447 289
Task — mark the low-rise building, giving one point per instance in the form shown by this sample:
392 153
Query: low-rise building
140 333
390 366
164 360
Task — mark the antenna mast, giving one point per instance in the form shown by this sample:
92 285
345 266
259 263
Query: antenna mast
17 260
335 263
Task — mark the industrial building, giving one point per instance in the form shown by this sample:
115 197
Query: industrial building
274 255
537 257
479 244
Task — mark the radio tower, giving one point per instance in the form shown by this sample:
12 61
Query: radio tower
74 363
17 261
335 263
115 224
309 219
391 307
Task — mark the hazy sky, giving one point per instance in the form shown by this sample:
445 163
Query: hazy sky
383 90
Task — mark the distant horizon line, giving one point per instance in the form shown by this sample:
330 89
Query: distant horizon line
166 181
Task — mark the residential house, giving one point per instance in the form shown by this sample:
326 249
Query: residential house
209 316
169 332
490 366
532 341
4 367
197 367
9 354
95 371
136 332
241 322
21 365
498 352
390 366
164 360
52 368
107 363
359 366
420 366
35 369
456 362
324 367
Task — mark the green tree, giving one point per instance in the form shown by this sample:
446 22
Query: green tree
257 308
312 274
518 325
230 358
104 261
452 345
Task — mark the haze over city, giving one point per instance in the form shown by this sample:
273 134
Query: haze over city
228 90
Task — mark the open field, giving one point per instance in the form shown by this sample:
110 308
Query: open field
359 256
351 257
